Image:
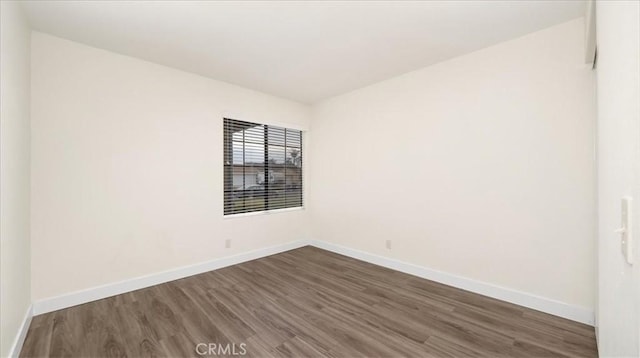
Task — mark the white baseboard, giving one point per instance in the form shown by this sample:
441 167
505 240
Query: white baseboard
16 347
116 288
543 304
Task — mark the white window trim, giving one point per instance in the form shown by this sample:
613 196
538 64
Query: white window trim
262 212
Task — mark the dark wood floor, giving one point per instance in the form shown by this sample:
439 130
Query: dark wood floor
305 303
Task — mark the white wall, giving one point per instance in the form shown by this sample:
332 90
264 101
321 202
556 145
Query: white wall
127 168
618 77
15 295
481 166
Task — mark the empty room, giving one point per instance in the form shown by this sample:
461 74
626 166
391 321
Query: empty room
320 178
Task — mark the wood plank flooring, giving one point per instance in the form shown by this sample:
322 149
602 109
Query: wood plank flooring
304 303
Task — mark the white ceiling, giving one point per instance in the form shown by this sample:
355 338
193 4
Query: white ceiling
305 51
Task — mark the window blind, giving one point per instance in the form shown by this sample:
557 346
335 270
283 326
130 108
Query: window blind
262 167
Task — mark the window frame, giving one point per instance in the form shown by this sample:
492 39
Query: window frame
228 168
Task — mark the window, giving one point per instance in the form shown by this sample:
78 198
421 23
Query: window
262 167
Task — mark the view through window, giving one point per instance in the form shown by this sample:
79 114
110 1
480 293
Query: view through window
262 167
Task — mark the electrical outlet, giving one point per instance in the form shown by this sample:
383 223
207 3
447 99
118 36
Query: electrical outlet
388 244
227 243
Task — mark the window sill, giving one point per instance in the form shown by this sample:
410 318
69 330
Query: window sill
264 212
